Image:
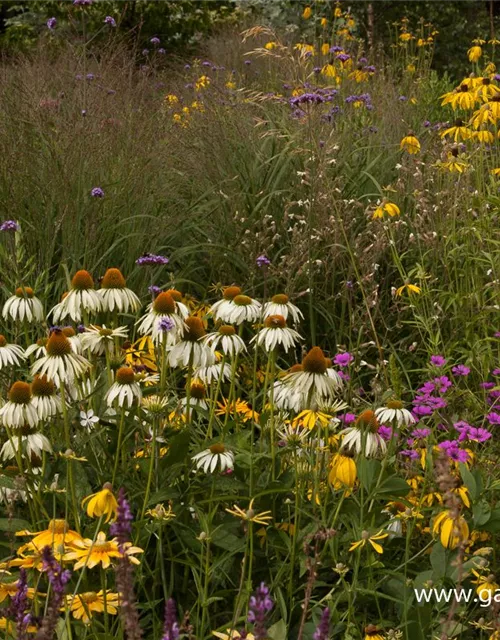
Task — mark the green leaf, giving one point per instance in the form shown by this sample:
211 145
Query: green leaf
7 482
13 524
481 512
278 631
438 560
468 480
395 486
227 541
368 470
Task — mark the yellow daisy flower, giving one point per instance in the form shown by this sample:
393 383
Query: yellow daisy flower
102 503
366 537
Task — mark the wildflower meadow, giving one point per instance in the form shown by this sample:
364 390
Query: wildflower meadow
250 328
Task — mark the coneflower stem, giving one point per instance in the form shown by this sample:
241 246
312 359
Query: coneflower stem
69 463
119 444
151 469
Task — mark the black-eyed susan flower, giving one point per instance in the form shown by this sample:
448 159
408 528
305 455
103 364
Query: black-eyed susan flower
141 353
454 161
250 515
23 306
373 633
275 333
115 295
164 307
91 553
191 350
372 539
19 410
280 305
453 530
458 132
100 340
486 584
226 339
410 144
215 456
310 418
44 398
238 407
102 503
394 411
474 53
486 89
386 207
57 535
409 288
81 299
61 362
125 390
343 472
363 435
10 354
232 634
161 513
84 605
464 97
9 590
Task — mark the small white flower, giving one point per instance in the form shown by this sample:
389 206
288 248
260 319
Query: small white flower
10 354
23 306
88 419
214 456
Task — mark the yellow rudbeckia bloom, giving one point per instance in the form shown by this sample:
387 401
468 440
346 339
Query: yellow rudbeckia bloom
386 207
343 472
307 13
410 144
410 288
102 503
452 530
474 53
84 605
372 539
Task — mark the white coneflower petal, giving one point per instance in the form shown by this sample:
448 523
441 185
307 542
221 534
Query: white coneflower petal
23 306
32 444
395 412
214 456
275 333
19 411
125 390
61 364
213 373
162 312
81 299
191 350
353 437
225 339
37 349
44 398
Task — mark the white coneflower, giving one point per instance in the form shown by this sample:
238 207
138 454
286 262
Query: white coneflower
284 398
276 333
125 390
395 412
214 456
45 400
10 354
161 313
24 305
280 305
226 340
74 338
30 441
364 430
197 396
293 435
190 350
313 380
81 388
100 339
213 373
61 364
115 295
220 308
181 307
242 309
81 299
37 349
19 411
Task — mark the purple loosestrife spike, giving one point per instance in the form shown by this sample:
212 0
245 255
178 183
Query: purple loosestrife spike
122 527
171 626
19 605
58 578
323 628
259 606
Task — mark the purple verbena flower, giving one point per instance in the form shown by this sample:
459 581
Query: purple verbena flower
262 261
110 20
154 290
166 324
151 259
155 41
97 192
10 225
51 23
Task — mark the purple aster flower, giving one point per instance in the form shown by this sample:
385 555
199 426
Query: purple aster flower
438 361
258 607
166 324
155 41
97 192
151 259
343 359
493 418
10 225
262 261
170 627
460 370
347 418
495 372
487 385
110 20
323 629
51 23
385 432
410 453
343 57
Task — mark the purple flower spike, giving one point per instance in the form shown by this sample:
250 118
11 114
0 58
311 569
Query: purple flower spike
171 626
259 606
323 629
122 527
